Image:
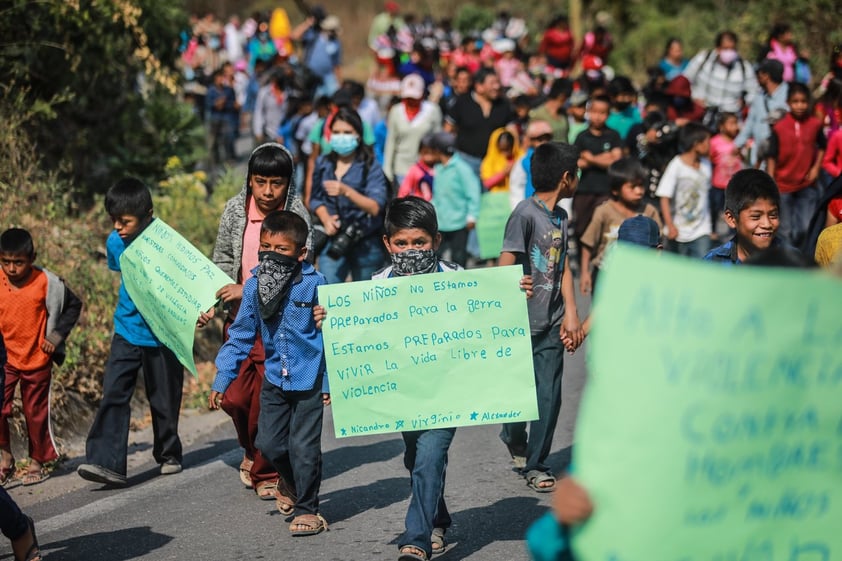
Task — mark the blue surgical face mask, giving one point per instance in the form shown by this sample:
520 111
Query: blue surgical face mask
344 143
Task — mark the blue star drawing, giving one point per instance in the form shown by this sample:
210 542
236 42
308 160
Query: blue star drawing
343 431
398 424
474 416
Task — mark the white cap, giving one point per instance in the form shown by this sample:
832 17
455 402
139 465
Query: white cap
503 46
412 87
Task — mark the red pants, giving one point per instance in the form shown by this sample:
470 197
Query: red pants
35 395
242 403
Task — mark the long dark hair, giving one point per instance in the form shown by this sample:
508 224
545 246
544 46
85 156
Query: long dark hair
364 153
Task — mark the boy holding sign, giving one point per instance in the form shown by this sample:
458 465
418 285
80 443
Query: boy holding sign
277 304
536 238
134 346
412 239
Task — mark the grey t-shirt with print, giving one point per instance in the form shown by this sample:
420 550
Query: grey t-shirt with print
538 238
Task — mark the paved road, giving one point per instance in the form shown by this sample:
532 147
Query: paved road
204 513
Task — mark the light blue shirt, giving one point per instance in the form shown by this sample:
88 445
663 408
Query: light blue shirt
456 194
757 121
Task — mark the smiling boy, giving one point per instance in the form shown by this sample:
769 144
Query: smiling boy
752 209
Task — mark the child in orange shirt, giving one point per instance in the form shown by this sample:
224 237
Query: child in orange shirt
37 312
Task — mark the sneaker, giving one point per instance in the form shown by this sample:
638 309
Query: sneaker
99 474
171 467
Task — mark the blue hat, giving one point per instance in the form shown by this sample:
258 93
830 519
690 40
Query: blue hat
640 230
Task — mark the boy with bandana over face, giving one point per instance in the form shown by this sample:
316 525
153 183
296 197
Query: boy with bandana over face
268 186
412 239
277 303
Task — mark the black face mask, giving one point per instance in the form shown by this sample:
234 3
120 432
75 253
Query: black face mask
275 276
414 262
680 102
622 105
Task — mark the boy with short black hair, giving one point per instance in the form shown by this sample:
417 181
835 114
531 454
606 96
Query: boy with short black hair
37 312
599 147
683 189
752 210
133 347
627 179
536 238
277 303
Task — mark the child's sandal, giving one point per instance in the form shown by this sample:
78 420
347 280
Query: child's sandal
34 477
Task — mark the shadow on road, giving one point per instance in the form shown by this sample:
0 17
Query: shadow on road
338 461
347 503
120 545
559 462
476 528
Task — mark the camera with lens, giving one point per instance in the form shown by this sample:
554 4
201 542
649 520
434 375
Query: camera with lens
344 241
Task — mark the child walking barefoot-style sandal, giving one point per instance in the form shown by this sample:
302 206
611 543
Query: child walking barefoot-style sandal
265 490
540 481
245 472
412 553
285 498
438 540
34 475
307 525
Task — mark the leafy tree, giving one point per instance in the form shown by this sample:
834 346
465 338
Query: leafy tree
91 77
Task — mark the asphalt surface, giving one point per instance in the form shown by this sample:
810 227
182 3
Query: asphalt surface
205 513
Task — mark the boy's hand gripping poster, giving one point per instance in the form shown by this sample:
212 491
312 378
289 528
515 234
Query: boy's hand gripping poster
711 424
171 283
428 351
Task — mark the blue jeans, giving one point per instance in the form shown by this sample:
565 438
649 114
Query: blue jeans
426 459
364 259
289 434
697 248
797 210
548 364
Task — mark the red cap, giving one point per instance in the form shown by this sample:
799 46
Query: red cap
591 62
392 7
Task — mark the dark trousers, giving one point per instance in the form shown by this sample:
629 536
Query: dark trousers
35 399
242 403
426 459
457 243
548 360
13 523
289 433
163 375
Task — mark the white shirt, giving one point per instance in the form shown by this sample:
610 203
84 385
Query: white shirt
687 187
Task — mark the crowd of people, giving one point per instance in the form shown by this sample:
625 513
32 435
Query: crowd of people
715 157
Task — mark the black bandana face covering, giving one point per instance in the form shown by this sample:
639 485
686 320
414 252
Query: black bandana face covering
414 262
275 275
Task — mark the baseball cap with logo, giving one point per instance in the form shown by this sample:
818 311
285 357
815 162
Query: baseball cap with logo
412 87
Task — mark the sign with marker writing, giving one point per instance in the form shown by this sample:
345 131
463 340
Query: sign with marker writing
428 351
171 283
711 425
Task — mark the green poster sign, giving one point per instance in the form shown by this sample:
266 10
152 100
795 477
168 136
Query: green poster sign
494 212
171 283
711 425
428 351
